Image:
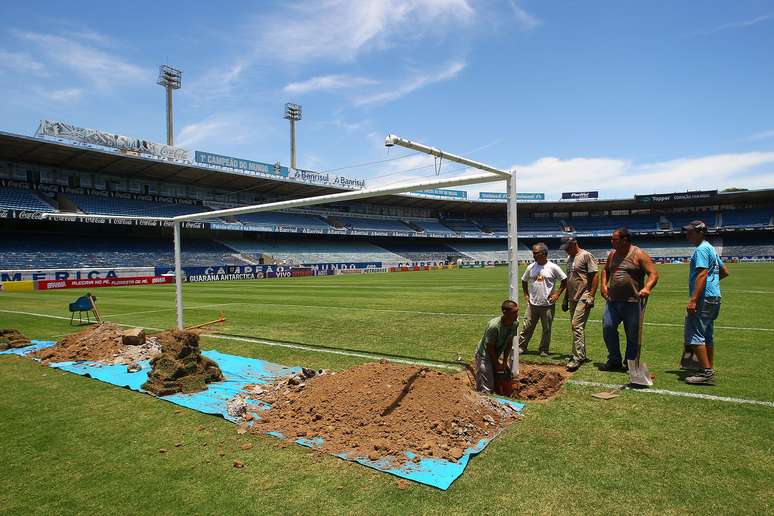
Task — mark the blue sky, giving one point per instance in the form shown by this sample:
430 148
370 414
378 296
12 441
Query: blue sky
620 97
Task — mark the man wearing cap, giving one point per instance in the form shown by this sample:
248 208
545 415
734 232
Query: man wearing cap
538 283
497 341
705 273
582 282
625 288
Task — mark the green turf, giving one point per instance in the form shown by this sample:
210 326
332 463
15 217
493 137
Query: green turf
76 445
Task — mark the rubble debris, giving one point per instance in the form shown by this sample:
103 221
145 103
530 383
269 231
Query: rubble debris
379 410
180 367
133 368
100 343
12 339
133 337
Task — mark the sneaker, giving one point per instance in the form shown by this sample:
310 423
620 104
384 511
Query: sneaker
702 377
611 366
572 365
544 354
522 350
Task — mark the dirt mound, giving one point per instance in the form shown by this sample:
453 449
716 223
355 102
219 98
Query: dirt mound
12 339
379 410
180 367
100 343
538 381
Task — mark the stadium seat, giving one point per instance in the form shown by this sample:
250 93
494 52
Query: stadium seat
23 200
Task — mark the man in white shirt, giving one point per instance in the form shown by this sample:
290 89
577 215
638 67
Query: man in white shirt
538 283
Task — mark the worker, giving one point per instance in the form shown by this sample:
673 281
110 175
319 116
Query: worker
582 282
625 288
705 273
538 282
496 342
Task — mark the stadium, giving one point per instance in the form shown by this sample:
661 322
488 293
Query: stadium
369 276
548 291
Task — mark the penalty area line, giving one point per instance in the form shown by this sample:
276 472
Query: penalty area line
682 394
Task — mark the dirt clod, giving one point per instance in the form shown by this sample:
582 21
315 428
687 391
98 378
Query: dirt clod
99 343
11 339
380 410
246 446
180 367
239 464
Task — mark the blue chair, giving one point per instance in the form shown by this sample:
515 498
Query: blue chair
84 304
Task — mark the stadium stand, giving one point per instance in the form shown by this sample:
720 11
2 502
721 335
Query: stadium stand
746 218
316 251
418 251
117 206
431 226
633 222
364 224
22 199
485 251
43 251
678 220
282 219
748 245
461 225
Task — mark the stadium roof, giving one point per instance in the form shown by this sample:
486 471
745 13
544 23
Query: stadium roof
19 148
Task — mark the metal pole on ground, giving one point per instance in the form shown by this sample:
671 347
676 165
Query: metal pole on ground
178 276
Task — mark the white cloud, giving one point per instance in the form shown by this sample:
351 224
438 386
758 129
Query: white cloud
342 29
216 83
738 24
450 71
216 129
21 62
104 70
613 178
327 82
65 94
525 20
763 135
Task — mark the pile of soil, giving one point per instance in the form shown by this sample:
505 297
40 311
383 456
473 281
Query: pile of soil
379 410
12 339
538 381
100 343
180 367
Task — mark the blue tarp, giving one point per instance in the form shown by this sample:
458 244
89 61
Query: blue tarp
240 371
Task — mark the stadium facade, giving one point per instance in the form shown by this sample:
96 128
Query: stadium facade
50 174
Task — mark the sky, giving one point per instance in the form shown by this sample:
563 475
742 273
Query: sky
619 97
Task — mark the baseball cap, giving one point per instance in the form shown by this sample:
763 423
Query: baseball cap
696 225
566 241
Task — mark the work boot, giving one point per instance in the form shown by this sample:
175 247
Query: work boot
573 365
702 377
611 366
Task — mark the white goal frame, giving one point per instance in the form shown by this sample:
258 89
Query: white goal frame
490 174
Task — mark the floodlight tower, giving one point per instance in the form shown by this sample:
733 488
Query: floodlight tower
171 79
292 113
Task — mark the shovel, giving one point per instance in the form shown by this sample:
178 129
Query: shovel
638 371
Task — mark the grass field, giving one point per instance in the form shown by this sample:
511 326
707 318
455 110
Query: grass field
76 445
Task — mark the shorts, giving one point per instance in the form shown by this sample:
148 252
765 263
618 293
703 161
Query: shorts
700 326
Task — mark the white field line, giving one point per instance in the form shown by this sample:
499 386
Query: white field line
391 310
170 309
67 319
711 397
358 354
373 356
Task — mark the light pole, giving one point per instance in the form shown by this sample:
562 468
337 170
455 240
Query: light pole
292 113
171 79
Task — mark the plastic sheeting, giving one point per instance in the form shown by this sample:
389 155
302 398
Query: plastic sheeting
240 371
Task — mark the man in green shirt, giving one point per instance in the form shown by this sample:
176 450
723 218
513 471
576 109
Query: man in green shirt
497 341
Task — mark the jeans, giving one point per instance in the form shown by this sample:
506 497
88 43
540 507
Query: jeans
615 313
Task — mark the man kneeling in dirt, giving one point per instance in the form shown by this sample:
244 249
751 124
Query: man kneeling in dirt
497 341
